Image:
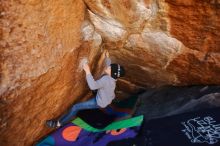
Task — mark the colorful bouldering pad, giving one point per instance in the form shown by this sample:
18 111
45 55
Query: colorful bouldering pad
97 118
136 121
100 118
74 135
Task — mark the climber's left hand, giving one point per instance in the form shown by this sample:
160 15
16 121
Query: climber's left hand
86 68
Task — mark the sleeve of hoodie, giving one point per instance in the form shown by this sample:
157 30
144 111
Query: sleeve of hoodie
93 85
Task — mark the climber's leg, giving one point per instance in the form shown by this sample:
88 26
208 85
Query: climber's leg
90 104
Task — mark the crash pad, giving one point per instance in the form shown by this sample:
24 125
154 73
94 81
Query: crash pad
96 118
75 135
100 118
136 121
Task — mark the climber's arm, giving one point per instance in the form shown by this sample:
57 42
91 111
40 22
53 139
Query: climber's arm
93 85
107 59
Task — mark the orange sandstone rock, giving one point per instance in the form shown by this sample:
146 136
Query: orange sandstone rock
164 42
41 47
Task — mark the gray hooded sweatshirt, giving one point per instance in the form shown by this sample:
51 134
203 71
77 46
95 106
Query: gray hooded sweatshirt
105 86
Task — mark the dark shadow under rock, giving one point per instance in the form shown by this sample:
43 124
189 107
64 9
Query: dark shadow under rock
167 101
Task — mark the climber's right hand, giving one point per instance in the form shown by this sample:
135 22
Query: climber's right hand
106 54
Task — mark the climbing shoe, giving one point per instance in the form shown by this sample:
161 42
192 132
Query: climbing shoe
52 124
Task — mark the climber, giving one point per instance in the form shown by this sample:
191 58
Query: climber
105 87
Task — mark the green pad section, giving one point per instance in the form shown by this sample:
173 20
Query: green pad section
132 122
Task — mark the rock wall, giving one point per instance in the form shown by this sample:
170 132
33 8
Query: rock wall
160 42
41 47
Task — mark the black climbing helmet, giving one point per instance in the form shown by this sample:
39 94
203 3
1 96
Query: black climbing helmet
117 71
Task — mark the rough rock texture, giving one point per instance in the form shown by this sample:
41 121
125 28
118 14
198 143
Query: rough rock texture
41 48
160 42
